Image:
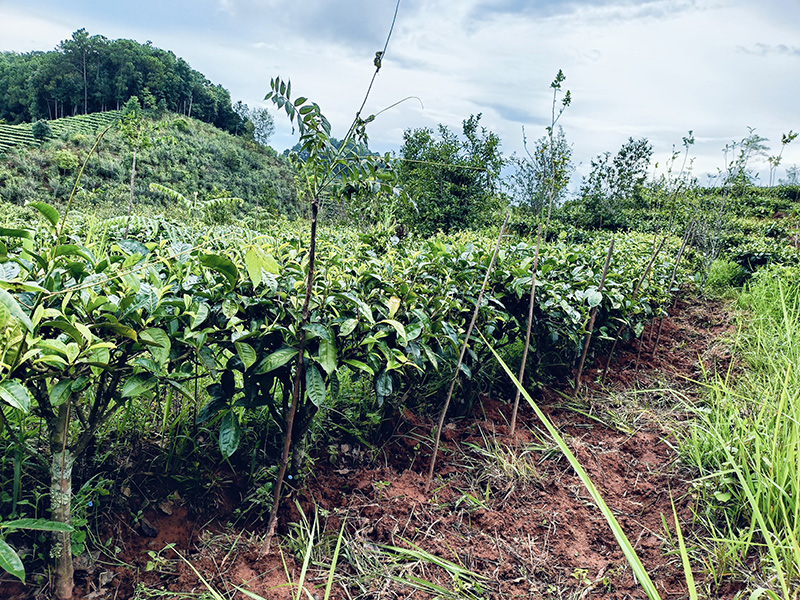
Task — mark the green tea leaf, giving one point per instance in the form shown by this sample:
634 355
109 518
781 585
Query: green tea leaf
146 299
246 354
15 394
47 211
276 359
122 330
16 233
60 392
5 315
223 266
413 330
594 297
14 308
75 250
319 330
37 525
315 385
347 327
256 259
73 351
398 327
394 305
383 385
138 384
78 335
10 562
200 316
360 365
230 434
327 356
158 342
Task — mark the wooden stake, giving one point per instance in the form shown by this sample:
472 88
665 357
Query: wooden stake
530 326
633 297
463 353
686 237
592 318
287 440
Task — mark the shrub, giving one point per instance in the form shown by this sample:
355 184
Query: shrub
66 160
41 130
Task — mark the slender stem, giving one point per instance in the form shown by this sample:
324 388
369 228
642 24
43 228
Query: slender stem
463 353
130 199
685 240
60 232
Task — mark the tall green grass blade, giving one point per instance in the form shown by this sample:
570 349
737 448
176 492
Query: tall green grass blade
687 568
745 440
334 561
622 540
746 484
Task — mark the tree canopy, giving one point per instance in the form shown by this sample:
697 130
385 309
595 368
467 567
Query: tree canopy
452 181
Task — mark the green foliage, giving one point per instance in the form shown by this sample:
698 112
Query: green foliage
66 160
738 174
745 438
724 275
614 185
543 172
10 562
41 131
452 182
257 123
75 127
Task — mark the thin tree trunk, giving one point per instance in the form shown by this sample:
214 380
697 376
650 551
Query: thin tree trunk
633 297
85 87
287 442
686 237
592 318
61 504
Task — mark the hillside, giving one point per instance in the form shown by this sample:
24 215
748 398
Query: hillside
184 154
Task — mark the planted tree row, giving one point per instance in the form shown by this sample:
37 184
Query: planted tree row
88 329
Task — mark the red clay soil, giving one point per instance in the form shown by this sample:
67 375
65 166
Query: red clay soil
530 533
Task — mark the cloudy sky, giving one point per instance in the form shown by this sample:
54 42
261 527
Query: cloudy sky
635 68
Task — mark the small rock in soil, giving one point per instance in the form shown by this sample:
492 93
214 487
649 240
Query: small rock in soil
147 529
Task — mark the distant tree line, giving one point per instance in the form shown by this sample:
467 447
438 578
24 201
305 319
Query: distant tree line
90 73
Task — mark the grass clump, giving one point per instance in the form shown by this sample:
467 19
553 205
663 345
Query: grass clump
745 442
725 274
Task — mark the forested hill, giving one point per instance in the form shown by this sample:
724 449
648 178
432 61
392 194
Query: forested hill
90 73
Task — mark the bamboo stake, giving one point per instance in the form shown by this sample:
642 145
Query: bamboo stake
461 357
530 326
633 297
592 318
